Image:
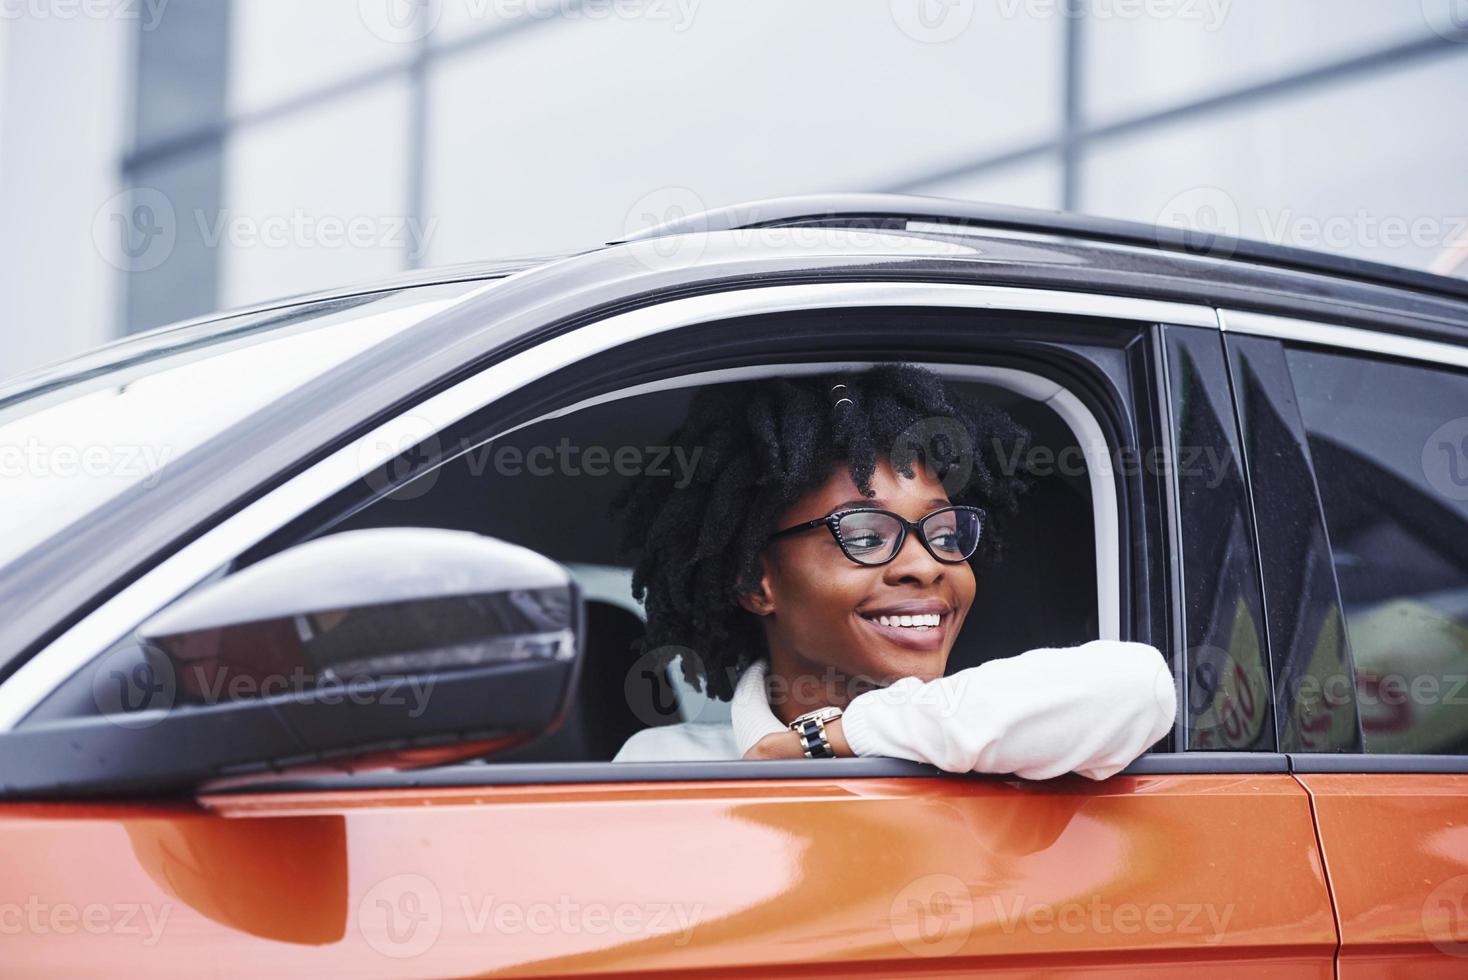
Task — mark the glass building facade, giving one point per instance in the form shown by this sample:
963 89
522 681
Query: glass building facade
276 146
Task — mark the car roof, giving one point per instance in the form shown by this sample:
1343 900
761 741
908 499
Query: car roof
915 213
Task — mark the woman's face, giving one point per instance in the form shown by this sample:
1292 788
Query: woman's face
822 611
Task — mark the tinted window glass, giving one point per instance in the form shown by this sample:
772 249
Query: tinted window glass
1390 447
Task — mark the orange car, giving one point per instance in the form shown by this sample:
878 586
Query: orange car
315 647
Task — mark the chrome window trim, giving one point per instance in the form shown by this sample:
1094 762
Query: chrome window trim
1346 338
34 680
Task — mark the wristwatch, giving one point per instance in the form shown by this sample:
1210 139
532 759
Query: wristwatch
811 727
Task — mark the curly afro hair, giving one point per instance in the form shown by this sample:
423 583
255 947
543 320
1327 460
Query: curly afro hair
760 446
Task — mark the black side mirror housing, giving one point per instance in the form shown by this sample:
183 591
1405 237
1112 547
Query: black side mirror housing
367 648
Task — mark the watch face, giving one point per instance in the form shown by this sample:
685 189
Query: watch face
820 714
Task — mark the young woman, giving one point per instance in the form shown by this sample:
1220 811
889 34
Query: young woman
818 568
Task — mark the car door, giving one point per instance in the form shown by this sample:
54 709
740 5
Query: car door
1204 860
1358 442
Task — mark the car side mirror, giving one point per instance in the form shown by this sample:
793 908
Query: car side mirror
355 649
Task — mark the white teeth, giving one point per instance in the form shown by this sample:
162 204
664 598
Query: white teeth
920 621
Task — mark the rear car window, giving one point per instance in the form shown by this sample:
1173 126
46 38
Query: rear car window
1390 448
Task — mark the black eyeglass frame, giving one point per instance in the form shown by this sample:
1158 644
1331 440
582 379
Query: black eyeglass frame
832 522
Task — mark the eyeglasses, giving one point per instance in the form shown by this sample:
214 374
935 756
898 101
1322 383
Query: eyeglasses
874 537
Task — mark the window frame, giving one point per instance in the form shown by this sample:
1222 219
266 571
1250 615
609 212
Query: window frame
220 545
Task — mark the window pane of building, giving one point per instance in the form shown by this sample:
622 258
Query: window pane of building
315 199
284 49
1364 167
1142 57
743 101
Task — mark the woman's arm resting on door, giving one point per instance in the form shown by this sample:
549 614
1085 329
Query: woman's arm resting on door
1090 709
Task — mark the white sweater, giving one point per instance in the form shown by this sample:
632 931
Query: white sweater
1090 709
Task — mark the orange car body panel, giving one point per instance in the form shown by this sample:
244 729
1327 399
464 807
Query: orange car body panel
1140 875
1396 847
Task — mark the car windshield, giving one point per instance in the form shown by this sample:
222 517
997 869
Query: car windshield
75 437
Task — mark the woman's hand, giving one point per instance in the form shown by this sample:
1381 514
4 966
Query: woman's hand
780 745
786 745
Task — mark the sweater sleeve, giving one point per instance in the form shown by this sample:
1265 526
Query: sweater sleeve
1090 709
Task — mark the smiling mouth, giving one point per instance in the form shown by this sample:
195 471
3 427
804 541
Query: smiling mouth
919 621
917 631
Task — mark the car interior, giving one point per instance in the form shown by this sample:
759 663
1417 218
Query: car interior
1043 593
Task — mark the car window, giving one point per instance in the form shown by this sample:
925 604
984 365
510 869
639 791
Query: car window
550 486
73 441
1389 443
